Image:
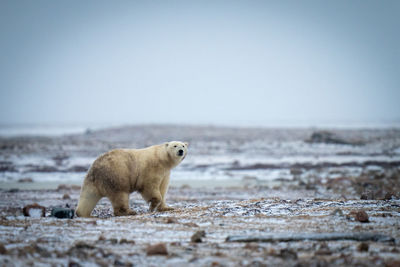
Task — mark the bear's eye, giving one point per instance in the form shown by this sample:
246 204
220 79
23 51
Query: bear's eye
175 146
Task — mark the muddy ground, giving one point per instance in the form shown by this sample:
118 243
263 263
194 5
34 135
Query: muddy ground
347 183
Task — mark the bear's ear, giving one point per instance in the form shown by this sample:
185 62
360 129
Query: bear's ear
166 144
186 144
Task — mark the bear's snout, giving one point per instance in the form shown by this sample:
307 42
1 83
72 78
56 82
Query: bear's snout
180 152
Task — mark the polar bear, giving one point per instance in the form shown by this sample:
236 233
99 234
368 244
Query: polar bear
120 172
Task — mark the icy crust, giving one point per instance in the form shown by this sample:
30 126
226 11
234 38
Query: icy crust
109 240
215 153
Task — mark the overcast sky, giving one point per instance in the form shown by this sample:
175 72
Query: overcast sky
219 62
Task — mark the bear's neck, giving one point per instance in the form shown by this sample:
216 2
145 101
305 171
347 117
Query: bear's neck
166 159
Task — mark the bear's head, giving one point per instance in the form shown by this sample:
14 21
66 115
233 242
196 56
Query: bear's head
177 150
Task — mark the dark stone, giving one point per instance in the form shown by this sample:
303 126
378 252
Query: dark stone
83 245
171 220
363 247
25 180
197 237
389 196
3 249
362 216
73 264
288 254
125 241
367 195
62 213
157 249
13 190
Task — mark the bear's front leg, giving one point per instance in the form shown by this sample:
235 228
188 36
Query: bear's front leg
156 202
163 190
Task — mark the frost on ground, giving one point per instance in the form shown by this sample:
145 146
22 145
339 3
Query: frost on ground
292 186
220 213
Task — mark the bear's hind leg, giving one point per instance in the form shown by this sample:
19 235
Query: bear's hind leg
87 201
120 203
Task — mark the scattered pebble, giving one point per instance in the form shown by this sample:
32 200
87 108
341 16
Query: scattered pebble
389 196
157 249
3 249
73 264
34 210
171 220
125 241
25 180
66 196
197 237
13 190
288 254
83 245
363 247
367 195
362 216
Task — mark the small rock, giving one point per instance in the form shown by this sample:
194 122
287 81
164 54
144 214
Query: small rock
171 220
113 240
367 195
66 196
296 171
362 216
3 249
389 196
363 247
157 249
13 190
288 254
34 210
125 241
73 264
196 237
25 180
62 213
83 245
